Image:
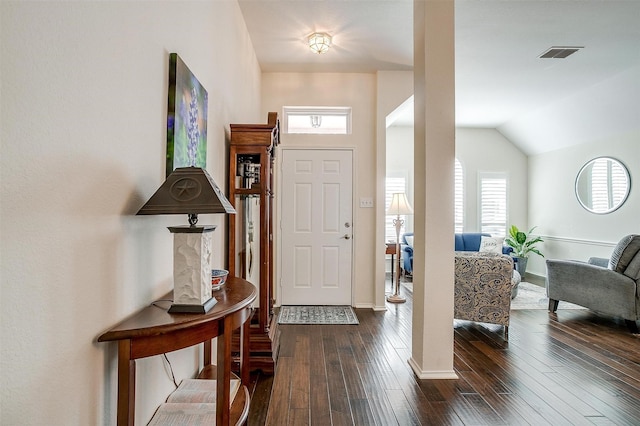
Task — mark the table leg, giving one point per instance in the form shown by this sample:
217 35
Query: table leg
392 274
207 352
224 373
244 351
126 384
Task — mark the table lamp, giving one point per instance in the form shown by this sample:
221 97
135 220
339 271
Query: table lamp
191 191
399 207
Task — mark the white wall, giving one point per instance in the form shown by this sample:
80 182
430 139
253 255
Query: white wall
84 95
351 90
400 162
486 150
478 150
393 89
571 232
592 115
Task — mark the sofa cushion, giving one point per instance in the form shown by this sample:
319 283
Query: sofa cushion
468 241
624 252
491 245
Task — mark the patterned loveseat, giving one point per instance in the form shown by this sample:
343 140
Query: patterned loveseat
483 287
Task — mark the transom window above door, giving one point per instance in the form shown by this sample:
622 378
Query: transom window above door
317 120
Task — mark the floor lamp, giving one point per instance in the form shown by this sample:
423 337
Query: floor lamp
399 207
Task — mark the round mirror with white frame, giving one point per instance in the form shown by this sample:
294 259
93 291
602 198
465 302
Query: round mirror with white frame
602 185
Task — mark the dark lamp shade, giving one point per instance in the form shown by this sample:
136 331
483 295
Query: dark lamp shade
188 190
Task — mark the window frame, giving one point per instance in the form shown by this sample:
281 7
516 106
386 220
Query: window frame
388 221
288 111
482 176
458 226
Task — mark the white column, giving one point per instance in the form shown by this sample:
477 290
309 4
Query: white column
433 261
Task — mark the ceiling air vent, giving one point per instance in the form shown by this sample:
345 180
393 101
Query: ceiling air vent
559 52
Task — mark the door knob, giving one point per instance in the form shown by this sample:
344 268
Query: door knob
347 237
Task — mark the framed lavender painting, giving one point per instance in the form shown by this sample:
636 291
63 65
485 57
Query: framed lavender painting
186 118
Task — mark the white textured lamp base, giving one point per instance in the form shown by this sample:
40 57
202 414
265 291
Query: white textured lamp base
192 269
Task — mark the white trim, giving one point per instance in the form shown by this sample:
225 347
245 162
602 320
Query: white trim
462 195
345 112
537 279
369 306
493 175
432 375
579 241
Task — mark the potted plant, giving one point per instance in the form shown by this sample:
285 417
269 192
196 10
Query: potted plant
522 244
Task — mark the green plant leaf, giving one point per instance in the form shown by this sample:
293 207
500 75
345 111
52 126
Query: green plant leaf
536 251
522 243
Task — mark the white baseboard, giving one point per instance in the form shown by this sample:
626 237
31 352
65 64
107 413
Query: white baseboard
536 279
369 306
433 375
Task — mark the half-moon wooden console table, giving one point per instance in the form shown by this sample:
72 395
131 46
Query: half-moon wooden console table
153 331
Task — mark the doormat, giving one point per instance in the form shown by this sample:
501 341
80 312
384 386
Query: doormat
334 315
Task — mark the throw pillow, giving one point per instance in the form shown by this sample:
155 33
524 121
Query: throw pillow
491 245
624 252
409 239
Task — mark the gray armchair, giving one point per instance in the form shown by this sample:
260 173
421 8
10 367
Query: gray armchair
608 286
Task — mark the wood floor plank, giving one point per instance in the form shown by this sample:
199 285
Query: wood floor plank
361 411
338 395
260 394
402 410
299 417
381 409
353 382
278 412
319 401
300 376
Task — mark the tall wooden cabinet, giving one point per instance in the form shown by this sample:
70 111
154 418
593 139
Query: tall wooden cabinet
251 160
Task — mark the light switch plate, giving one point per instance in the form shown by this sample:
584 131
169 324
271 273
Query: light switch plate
366 202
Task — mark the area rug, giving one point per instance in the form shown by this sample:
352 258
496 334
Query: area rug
334 315
531 296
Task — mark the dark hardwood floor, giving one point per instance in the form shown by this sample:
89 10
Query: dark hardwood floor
570 368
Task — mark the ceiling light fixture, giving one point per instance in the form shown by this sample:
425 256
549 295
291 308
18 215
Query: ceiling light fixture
319 42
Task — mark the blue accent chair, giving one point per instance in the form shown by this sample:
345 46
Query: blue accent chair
466 241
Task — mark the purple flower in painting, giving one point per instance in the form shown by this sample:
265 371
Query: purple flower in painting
193 132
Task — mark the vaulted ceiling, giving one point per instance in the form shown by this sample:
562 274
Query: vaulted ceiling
539 104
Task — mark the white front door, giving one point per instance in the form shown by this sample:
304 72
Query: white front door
316 226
